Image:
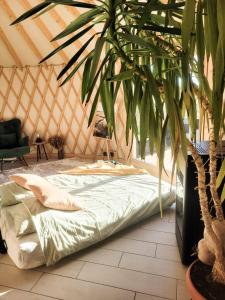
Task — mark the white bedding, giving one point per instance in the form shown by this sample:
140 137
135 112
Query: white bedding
25 252
111 203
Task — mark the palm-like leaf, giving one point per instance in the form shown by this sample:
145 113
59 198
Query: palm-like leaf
156 45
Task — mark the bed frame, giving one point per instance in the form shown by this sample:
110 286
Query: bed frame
3 246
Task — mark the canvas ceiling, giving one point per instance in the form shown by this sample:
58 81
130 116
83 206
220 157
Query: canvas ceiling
27 43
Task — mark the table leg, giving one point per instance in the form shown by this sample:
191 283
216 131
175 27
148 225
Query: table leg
2 165
38 152
46 156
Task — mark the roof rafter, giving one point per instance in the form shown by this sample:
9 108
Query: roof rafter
22 31
45 31
63 25
10 48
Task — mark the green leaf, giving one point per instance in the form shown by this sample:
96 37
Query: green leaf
67 43
122 76
95 61
154 89
82 20
51 6
93 84
94 106
31 12
144 120
72 3
86 77
141 42
220 175
74 58
222 198
200 42
221 22
212 29
188 22
89 55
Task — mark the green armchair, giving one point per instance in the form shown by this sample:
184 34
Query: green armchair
12 144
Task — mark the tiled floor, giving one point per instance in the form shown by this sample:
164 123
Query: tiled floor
141 263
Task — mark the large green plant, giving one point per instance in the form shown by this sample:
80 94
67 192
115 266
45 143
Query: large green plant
155 52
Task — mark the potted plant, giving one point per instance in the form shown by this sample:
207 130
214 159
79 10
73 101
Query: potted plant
156 51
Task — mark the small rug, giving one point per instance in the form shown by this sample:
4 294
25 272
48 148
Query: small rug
44 169
104 168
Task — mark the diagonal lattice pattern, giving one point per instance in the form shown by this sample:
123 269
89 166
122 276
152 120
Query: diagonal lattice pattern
33 95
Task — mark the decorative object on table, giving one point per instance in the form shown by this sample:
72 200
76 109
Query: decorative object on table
12 144
101 131
57 142
38 139
40 145
100 127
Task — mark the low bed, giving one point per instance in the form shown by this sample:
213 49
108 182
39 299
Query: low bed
109 204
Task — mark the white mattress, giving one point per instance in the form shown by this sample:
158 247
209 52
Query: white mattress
25 252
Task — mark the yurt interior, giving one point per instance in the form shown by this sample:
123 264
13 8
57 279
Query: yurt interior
112 120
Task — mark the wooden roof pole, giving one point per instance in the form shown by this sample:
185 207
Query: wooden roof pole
10 48
20 28
63 25
45 31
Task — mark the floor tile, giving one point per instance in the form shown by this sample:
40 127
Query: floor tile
13 277
168 252
182 292
101 256
147 297
153 266
68 266
152 236
5 259
169 214
131 280
68 289
158 225
131 246
11 294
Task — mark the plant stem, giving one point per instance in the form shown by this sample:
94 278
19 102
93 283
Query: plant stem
203 199
219 265
212 157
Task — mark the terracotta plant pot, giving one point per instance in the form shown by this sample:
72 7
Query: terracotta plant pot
194 293
200 283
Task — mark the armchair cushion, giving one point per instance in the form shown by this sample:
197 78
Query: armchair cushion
14 152
8 140
12 144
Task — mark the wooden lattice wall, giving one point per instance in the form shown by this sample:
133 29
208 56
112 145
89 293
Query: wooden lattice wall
33 95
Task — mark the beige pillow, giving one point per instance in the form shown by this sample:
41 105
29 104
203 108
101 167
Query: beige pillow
52 197
22 179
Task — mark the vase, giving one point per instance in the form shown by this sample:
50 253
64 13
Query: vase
60 153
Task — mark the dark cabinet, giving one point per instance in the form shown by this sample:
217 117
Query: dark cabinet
189 226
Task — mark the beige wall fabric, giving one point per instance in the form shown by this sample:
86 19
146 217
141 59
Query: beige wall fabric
33 95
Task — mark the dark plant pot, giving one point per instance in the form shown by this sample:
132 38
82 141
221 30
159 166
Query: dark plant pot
60 153
200 284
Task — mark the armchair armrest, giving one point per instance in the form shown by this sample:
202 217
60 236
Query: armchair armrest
24 141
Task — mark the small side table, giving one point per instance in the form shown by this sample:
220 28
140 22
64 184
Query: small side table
38 146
